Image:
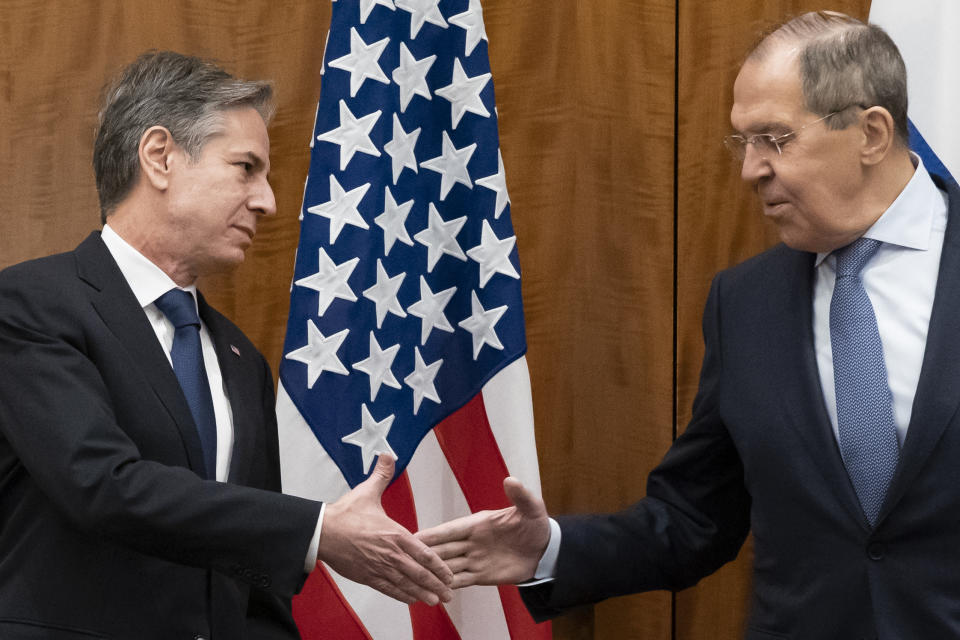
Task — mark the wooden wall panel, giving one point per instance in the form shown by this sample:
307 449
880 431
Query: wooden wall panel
718 225
585 98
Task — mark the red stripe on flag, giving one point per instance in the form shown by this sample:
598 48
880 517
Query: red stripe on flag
320 607
474 456
429 623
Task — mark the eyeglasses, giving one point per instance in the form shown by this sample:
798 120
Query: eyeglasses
766 144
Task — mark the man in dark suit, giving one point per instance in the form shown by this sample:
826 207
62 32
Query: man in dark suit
826 419
139 470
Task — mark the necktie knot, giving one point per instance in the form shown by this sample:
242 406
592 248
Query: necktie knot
852 258
179 307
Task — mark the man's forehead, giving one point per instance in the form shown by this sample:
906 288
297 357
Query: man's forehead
767 91
242 130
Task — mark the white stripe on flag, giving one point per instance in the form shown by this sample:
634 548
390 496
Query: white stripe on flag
306 470
509 404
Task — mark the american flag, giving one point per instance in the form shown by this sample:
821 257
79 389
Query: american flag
406 329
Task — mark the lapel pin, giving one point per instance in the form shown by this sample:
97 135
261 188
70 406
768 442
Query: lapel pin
235 350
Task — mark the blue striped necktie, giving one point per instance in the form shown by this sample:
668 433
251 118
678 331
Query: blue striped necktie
868 434
187 356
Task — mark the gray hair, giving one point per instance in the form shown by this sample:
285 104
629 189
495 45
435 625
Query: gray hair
184 94
843 63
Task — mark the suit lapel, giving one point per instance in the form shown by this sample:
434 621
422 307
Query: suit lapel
938 389
232 362
114 302
802 393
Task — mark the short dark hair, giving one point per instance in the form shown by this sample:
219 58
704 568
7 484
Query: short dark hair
184 94
845 62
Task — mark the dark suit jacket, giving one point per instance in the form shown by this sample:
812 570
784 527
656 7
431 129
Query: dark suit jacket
106 530
760 455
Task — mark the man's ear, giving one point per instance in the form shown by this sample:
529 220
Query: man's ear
155 151
879 135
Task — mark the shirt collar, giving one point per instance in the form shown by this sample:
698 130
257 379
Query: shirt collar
147 280
907 222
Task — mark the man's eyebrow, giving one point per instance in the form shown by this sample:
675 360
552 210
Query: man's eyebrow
252 158
772 127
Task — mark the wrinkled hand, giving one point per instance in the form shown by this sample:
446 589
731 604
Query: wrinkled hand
494 547
361 543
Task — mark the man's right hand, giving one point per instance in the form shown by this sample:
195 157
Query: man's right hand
494 547
360 542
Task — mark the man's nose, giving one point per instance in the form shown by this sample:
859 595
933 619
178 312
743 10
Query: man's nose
262 199
754 166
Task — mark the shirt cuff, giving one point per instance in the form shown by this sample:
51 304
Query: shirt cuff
547 567
311 562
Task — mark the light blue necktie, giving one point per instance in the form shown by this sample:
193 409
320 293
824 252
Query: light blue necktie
868 434
187 356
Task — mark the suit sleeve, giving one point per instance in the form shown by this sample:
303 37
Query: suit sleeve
694 518
57 415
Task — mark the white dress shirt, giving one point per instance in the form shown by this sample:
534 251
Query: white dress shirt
148 283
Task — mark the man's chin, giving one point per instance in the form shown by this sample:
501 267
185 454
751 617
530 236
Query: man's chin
802 242
793 237
223 263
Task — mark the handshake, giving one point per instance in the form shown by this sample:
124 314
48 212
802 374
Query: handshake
360 542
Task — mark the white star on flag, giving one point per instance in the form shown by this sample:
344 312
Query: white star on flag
341 208
441 238
378 365
422 11
320 353
421 380
498 184
366 6
393 221
463 92
493 255
330 281
371 437
472 21
451 164
361 62
401 147
411 76
429 308
384 294
352 135
480 324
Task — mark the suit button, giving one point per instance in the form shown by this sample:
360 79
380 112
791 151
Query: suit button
199 637
875 551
